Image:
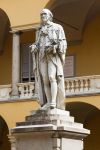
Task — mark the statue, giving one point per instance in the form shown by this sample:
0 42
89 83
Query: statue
48 53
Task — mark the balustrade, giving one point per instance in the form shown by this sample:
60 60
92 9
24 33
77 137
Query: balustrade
26 90
82 85
73 86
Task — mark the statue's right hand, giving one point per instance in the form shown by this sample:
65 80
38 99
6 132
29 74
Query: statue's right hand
33 48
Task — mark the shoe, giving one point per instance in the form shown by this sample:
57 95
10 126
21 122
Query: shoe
46 106
52 105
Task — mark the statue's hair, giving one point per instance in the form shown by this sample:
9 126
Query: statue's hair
47 11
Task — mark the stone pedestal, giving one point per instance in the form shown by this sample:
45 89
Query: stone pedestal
51 129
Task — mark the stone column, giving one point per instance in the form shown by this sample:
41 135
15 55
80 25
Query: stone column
13 142
56 142
15 63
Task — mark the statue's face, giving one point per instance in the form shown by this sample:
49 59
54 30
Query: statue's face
45 17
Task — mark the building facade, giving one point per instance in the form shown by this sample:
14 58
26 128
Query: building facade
18 24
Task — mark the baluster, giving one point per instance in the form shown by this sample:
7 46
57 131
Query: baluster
74 82
26 90
67 87
86 85
21 91
81 86
72 87
77 87
66 83
31 90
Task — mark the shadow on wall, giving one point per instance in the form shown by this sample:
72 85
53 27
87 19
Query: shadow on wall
90 117
4 29
4 142
74 15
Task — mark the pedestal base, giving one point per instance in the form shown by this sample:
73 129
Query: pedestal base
48 130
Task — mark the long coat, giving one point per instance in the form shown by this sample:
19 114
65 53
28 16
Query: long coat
50 35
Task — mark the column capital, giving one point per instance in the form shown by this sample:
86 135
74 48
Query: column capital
16 32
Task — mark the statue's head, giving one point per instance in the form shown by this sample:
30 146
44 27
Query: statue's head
46 15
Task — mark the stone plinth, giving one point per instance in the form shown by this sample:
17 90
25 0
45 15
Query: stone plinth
51 129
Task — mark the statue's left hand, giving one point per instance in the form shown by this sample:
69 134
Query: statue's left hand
49 49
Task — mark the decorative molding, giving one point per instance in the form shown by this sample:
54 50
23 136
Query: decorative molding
24 28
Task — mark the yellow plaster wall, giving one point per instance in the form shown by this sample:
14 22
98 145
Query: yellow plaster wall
87 53
92 100
13 112
23 12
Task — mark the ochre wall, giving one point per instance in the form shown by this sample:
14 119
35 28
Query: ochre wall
13 112
87 53
23 12
92 100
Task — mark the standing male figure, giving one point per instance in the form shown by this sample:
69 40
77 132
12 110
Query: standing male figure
48 58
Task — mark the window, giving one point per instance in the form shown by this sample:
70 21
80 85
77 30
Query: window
69 67
27 74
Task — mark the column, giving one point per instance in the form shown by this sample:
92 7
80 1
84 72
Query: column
56 141
15 63
12 141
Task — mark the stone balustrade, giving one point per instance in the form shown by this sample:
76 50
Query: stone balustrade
82 85
26 90
73 86
5 92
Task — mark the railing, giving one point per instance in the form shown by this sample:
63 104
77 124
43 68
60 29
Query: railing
26 90
82 85
73 86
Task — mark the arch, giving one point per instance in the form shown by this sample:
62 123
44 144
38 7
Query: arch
74 25
91 13
55 3
4 142
4 29
24 13
89 115
81 110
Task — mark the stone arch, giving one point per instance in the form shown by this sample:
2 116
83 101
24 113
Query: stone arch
81 110
92 12
89 115
74 15
4 29
4 131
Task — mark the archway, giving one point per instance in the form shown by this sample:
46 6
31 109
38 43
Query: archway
89 115
4 142
4 29
74 16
